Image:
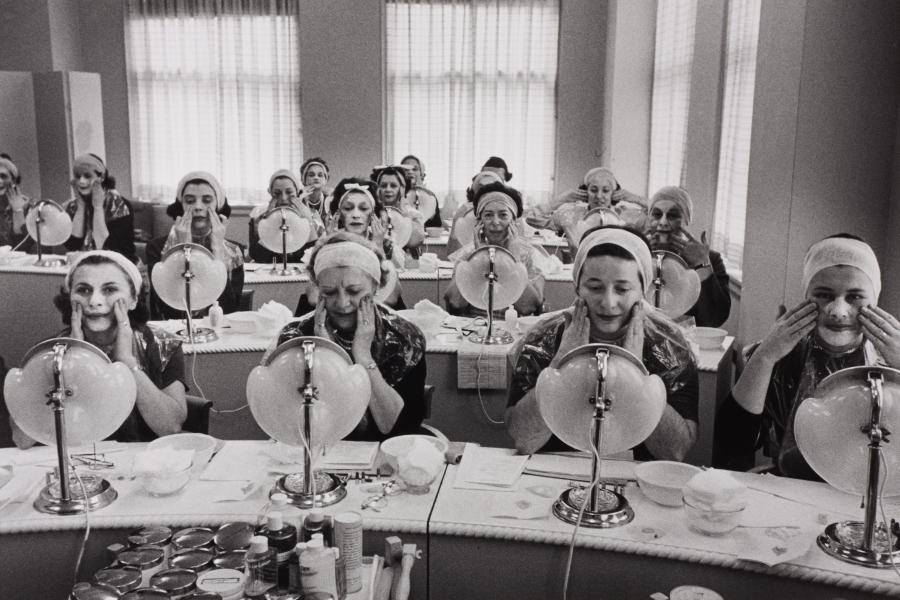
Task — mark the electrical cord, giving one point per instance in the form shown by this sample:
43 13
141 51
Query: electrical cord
87 524
883 515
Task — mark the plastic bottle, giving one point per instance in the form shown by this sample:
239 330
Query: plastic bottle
256 565
215 316
317 569
294 584
278 502
316 522
282 537
340 574
512 318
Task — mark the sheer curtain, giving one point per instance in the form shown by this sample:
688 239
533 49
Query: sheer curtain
737 120
213 85
468 79
674 58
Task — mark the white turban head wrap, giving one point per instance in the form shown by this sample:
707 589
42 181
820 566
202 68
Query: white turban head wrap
312 163
202 176
89 161
681 199
839 251
347 254
601 173
496 198
285 174
628 241
126 265
10 166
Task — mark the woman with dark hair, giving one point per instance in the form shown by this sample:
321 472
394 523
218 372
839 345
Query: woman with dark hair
314 175
612 270
102 219
200 212
14 205
101 304
393 185
347 271
497 208
418 193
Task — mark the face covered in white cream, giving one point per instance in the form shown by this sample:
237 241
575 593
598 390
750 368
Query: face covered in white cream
840 292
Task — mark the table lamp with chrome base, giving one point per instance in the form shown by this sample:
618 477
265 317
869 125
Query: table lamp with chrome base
491 279
844 433
283 230
69 393
48 224
675 287
601 399
189 278
308 394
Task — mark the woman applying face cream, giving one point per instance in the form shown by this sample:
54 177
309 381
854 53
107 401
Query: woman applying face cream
837 326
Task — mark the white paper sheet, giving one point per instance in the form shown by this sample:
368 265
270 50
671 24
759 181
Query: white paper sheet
489 468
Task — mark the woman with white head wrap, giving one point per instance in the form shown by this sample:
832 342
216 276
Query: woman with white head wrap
201 212
836 326
314 175
671 211
102 219
497 209
348 271
612 270
284 190
418 193
462 229
14 205
103 303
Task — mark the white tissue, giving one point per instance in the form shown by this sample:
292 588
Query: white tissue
162 460
5 249
275 315
716 490
421 464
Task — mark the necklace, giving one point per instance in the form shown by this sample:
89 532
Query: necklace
343 341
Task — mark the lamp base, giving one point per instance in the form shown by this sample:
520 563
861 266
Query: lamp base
97 493
202 335
844 541
329 488
282 272
614 509
50 262
498 337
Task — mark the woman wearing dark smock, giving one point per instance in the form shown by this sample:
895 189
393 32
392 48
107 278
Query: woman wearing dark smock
102 219
101 303
347 271
418 193
315 175
671 209
611 270
837 326
284 187
200 212
14 205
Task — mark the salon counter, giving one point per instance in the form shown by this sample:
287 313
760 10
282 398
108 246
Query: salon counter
474 546
551 242
38 551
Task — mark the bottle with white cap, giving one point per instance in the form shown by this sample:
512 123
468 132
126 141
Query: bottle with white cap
257 567
317 568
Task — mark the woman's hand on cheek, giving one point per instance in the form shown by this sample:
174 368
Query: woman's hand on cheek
123 349
883 330
320 329
365 331
634 334
217 226
789 329
97 195
576 333
183 227
77 315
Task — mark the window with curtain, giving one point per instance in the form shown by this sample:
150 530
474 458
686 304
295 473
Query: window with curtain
673 60
737 119
468 79
213 85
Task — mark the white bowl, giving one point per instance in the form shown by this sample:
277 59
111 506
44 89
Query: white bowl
709 338
246 321
394 447
165 483
203 446
662 480
709 521
434 232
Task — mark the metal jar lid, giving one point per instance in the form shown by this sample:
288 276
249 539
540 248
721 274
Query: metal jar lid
147 593
156 535
124 579
230 560
234 536
94 591
193 537
193 559
175 581
142 557
203 596
226 582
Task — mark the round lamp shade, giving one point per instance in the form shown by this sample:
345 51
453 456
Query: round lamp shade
680 285
471 277
207 282
55 223
402 227
829 429
297 235
275 393
464 228
100 394
598 217
637 399
425 203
